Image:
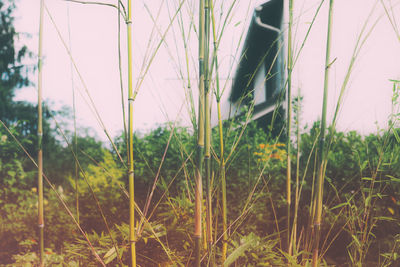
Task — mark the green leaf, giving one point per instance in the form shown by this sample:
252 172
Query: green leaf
394 179
356 240
340 205
396 135
384 218
368 200
110 255
239 251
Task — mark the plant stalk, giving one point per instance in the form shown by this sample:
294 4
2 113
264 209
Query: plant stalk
207 127
40 140
297 191
223 187
132 238
75 142
221 140
322 152
289 124
200 142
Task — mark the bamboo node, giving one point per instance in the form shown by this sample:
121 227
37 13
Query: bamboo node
41 225
128 22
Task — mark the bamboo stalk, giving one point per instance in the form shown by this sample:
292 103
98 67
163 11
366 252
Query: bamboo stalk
132 238
200 142
121 79
321 152
223 187
75 138
221 140
297 190
40 140
207 139
289 124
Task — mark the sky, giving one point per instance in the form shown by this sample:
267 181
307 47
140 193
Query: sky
91 34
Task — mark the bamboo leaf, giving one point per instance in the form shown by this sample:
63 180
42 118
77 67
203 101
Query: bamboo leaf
391 210
239 251
367 201
110 256
356 240
396 135
340 205
385 218
364 164
392 178
366 178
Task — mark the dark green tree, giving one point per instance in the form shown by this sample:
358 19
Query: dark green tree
12 71
20 116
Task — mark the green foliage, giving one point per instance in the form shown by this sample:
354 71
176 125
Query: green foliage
18 214
50 258
254 238
11 71
251 250
177 216
105 179
148 154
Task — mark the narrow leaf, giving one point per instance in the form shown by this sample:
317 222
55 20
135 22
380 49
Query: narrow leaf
239 251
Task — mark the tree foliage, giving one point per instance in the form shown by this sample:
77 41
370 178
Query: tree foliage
12 74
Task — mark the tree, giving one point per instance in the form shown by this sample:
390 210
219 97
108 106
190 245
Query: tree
11 69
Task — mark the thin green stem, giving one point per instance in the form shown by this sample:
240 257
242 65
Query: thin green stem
297 190
74 118
121 80
40 140
321 151
289 123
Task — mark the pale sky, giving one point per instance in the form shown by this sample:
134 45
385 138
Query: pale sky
93 31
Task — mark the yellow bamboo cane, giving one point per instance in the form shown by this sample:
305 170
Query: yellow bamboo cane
132 238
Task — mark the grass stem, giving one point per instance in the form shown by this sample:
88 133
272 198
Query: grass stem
321 150
40 140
